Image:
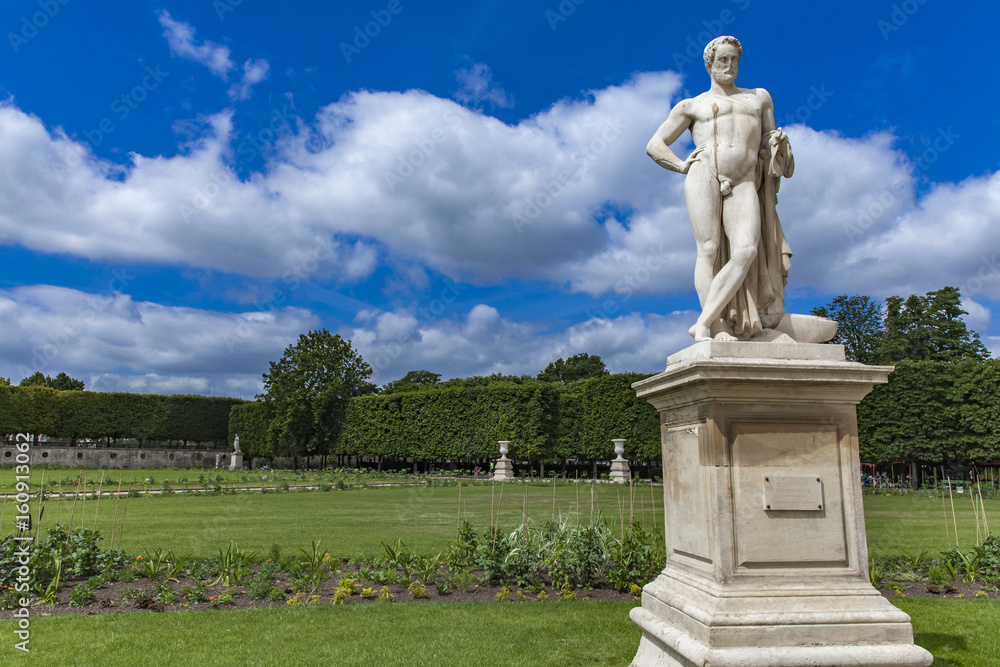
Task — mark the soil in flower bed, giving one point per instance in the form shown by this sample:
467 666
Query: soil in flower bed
952 590
140 595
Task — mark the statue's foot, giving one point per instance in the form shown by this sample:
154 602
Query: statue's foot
700 332
725 336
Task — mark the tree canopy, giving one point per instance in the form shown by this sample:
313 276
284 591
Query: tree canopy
860 326
942 399
581 366
929 328
308 390
412 381
61 382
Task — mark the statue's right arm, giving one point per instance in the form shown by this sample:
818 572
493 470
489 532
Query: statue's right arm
673 127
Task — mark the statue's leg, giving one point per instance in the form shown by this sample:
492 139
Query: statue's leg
741 223
704 203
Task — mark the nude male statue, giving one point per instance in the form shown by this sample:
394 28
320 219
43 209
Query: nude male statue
732 177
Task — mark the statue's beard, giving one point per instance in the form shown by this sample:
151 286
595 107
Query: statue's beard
725 77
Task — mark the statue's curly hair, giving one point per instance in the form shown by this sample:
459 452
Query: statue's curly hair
715 44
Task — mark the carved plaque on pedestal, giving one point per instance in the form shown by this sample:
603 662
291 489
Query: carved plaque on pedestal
793 492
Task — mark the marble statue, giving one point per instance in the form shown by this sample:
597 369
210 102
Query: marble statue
731 186
236 444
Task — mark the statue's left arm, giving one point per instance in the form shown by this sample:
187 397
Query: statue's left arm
773 141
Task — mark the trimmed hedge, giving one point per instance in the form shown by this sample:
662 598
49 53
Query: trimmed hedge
250 421
542 420
115 415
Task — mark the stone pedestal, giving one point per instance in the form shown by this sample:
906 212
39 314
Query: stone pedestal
767 563
620 472
503 470
236 462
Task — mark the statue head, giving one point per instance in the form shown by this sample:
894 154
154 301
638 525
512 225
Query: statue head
731 47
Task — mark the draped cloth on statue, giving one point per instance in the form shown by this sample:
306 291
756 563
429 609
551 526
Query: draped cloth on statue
760 301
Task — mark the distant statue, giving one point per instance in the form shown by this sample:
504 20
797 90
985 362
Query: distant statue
236 444
731 190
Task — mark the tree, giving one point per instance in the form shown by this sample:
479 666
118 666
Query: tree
412 381
860 326
4 382
578 367
929 328
62 382
308 390
37 379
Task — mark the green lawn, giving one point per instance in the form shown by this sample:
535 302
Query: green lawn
960 633
915 523
348 522
425 517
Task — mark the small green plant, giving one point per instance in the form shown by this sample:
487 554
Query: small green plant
875 574
567 592
81 596
636 591
897 588
385 595
261 589
462 578
234 565
519 594
367 593
504 594
442 587
164 593
417 589
542 596
130 594
223 598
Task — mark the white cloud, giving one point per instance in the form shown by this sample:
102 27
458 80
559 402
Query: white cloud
477 87
112 342
482 342
419 182
979 318
254 71
180 37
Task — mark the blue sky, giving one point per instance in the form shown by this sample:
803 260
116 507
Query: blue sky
457 187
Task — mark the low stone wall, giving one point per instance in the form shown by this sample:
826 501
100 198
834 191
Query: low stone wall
118 457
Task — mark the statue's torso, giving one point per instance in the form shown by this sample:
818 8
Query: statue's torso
735 123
